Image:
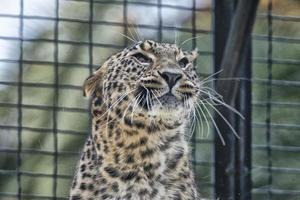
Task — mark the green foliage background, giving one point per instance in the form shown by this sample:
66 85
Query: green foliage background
37 168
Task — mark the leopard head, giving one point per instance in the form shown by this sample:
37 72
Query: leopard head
155 81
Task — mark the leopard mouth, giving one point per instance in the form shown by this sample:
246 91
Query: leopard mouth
148 100
169 100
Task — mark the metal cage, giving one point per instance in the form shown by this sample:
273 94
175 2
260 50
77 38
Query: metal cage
52 45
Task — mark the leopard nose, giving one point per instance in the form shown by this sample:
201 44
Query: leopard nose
170 78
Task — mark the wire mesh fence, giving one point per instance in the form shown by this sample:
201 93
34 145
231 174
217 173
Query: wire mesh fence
275 100
52 46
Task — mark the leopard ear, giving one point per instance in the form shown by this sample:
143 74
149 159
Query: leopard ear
192 55
93 84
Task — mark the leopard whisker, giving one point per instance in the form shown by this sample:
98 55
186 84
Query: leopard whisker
202 126
117 102
227 79
208 77
128 106
148 97
214 123
138 99
129 38
185 41
132 36
194 121
193 118
135 29
107 118
212 92
156 97
200 120
198 108
224 104
193 124
225 120
175 39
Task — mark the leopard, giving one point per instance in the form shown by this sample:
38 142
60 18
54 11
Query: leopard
141 99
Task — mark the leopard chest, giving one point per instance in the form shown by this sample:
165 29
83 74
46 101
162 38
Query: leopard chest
143 179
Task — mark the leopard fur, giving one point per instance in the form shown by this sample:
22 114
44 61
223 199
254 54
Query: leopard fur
141 101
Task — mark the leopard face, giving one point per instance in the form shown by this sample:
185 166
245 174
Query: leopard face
153 81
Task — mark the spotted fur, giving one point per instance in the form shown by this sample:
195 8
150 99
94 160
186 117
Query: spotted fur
141 101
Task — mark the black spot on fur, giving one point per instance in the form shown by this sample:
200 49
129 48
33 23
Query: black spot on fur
106 149
127 176
96 193
154 193
82 186
153 128
182 188
76 197
127 196
88 153
120 144
148 167
177 196
135 123
115 187
100 158
103 190
114 85
150 175
127 121
147 153
98 102
106 196
96 113
86 175
118 112
139 124
98 146
112 172
173 161
82 168
143 192
74 183
132 145
125 98
129 158
131 133
91 187
91 167
169 140
143 140
116 158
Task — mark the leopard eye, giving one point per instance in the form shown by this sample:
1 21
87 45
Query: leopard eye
142 58
183 62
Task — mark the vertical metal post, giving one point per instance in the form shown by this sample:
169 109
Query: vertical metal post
20 102
269 99
224 155
125 21
55 100
233 53
243 183
160 20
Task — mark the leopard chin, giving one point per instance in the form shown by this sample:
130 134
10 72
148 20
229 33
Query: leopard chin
169 101
169 113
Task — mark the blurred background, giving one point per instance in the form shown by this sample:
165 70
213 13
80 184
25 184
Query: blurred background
49 47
